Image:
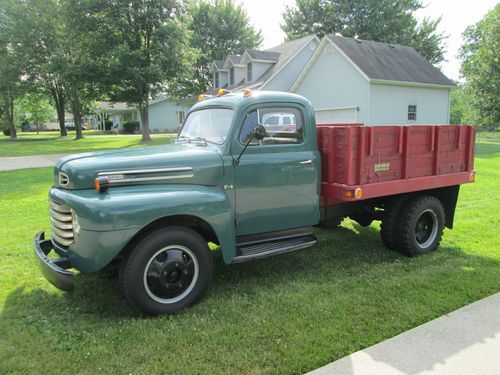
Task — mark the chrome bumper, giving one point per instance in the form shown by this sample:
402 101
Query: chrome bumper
54 270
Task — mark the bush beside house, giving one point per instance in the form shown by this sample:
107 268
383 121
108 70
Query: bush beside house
131 127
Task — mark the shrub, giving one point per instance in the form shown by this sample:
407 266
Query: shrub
130 127
108 124
6 132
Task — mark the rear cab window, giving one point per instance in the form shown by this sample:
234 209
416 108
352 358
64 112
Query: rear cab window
283 126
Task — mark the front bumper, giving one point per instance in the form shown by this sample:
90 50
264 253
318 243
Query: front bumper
54 270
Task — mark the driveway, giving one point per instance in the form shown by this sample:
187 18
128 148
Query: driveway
464 342
11 163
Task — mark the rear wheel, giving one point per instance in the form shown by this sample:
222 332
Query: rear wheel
389 227
168 270
422 225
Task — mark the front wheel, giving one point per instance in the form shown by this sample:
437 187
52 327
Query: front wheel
422 225
168 270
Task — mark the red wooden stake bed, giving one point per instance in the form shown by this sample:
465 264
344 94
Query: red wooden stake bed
362 162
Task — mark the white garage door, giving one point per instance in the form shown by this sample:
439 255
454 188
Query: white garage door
336 116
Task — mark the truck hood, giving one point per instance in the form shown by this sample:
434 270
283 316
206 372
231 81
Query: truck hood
184 163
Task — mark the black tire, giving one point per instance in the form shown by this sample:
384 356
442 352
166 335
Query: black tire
168 270
389 227
421 226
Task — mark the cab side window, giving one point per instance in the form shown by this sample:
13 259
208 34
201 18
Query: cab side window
283 126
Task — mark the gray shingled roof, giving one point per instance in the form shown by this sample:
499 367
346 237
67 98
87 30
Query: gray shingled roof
219 64
263 55
235 59
389 62
286 51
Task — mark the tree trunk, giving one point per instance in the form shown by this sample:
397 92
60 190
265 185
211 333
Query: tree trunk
144 110
58 98
9 114
77 117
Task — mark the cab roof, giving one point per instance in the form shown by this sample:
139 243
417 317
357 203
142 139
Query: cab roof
235 100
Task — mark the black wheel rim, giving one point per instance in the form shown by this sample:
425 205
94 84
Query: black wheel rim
426 229
171 274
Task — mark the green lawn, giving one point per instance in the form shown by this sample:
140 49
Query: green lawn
44 144
283 315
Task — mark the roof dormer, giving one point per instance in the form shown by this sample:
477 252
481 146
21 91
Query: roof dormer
220 75
257 63
235 68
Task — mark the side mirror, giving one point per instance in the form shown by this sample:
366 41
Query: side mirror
259 132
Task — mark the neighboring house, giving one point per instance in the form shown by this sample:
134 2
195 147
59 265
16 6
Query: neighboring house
351 80
275 69
347 80
165 115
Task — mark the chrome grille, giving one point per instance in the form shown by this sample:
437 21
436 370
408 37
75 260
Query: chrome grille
61 223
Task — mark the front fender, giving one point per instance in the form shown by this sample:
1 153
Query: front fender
121 212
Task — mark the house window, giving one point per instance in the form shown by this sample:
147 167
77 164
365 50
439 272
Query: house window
412 112
182 115
216 80
249 72
231 76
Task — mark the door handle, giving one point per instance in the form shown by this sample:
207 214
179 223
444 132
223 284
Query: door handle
306 162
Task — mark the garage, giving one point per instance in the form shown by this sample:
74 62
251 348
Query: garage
336 115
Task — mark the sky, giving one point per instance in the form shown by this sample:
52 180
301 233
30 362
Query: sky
265 15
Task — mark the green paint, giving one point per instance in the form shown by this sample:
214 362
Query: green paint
269 190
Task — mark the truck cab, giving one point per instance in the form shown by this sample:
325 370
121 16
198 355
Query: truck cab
244 173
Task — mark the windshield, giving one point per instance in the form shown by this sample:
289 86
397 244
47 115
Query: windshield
210 125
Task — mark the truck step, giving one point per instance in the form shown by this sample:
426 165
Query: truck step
267 245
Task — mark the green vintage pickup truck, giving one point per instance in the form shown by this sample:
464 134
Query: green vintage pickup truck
245 173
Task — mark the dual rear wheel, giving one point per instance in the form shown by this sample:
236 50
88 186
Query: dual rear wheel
413 225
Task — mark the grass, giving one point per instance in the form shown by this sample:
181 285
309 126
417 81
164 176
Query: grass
44 145
489 136
282 315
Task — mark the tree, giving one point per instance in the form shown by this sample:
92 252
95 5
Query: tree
10 72
140 48
33 109
219 28
480 56
36 28
388 21
460 106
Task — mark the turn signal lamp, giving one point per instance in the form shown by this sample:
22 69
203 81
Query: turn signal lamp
101 184
348 194
358 193
472 176
221 92
247 92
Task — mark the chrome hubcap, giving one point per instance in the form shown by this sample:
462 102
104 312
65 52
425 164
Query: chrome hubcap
170 274
426 228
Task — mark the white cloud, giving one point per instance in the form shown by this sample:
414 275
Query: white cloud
266 15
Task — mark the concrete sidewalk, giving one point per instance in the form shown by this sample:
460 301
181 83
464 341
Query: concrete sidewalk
11 163
464 342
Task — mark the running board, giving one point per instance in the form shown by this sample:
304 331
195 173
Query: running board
284 242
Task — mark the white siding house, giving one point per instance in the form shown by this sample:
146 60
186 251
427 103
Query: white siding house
165 115
275 69
350 80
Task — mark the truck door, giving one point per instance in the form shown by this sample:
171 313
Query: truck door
277 179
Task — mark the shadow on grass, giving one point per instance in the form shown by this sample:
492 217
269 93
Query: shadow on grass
342 257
